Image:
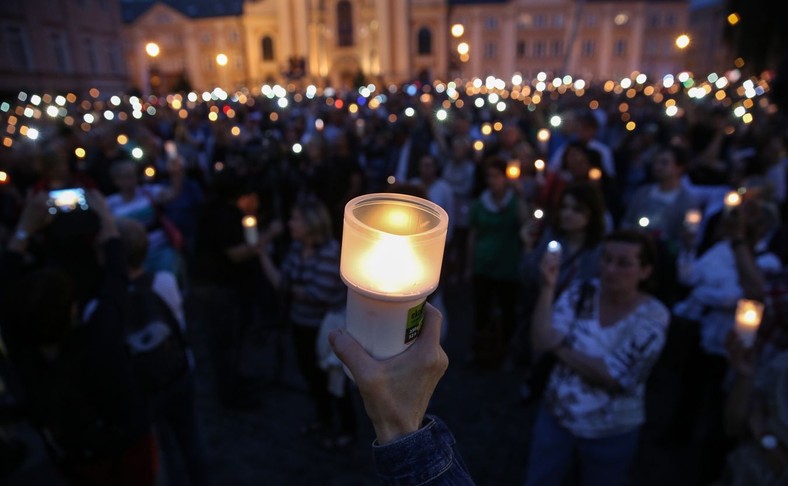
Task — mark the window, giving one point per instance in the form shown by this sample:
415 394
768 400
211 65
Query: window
670 20
18 47
113 60
206 38
424 42
652 47
652 20
490 50
90 53
344 24
268 48
521 49
588 48
590 20
233 36
558 21
491 23
620 47
59 49
539 49
540 21
555 48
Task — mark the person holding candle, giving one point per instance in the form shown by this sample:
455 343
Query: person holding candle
411 447
309 281
578 228
727 272
605 336
493 249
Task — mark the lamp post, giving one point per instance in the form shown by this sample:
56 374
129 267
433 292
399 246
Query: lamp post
222 60
152 50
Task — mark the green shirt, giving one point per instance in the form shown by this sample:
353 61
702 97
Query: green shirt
496 250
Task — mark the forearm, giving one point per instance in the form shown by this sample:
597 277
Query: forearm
751 279
272 273
737 406
591 368
543 336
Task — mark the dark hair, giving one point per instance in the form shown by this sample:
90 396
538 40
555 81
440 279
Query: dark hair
590 198
496 163
647 253
681 156
594 158
40 306
317 219
135 241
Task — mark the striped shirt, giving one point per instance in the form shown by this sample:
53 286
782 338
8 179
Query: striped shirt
318 277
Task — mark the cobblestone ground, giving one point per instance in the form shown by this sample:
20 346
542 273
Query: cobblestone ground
263 446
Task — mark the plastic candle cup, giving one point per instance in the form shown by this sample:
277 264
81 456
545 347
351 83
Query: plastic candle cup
692 220
392 248
250 230
732 200
513 169
748 319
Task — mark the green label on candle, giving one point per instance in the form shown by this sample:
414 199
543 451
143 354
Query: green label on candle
415 320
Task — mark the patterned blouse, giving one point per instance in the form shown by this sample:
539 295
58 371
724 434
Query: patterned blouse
629 349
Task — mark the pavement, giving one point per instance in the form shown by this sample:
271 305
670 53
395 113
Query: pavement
263 446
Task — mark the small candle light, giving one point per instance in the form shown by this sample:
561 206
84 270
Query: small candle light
554 247
513 169
538 214
594 174
732 200
392 248
3 177
692 220
748 318
218 166
543 135
150 173
539 165
251 235
644 222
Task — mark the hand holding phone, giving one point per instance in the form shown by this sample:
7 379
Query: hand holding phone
67 200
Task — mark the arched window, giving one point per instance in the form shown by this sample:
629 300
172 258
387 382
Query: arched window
268 48
425 41
344 24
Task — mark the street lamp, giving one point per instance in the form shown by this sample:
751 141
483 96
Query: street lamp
221 59
148 69
152 49
682 41
457 30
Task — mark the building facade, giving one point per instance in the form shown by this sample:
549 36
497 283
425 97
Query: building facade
61 46
342 42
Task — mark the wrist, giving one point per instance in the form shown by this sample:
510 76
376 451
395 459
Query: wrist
389 432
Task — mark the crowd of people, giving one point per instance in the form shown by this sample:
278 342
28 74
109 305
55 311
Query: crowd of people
605 252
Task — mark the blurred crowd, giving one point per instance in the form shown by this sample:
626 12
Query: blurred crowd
605 244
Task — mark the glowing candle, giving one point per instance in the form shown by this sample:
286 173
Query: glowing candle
150 173
539 166
392 248
538 214
748 319
692 220
3 177
554 247
251 235
594 174
732 200
513 169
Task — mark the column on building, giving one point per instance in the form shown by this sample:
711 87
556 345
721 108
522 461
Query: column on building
508 45
384 11
399 20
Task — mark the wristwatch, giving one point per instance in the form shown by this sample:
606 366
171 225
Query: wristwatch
21 234
769 442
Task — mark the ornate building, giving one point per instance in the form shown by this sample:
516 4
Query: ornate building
341 42
61 46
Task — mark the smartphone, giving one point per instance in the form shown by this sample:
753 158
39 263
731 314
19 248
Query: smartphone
171 148
67 200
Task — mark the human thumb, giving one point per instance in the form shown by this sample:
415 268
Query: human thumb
349 351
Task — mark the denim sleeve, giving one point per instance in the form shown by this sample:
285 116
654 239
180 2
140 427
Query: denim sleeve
425 457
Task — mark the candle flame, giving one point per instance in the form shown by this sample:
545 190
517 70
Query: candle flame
732 199
391 266
249 221
539 165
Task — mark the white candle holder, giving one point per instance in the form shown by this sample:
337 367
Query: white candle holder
692 219
392 249
748 319
251 235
